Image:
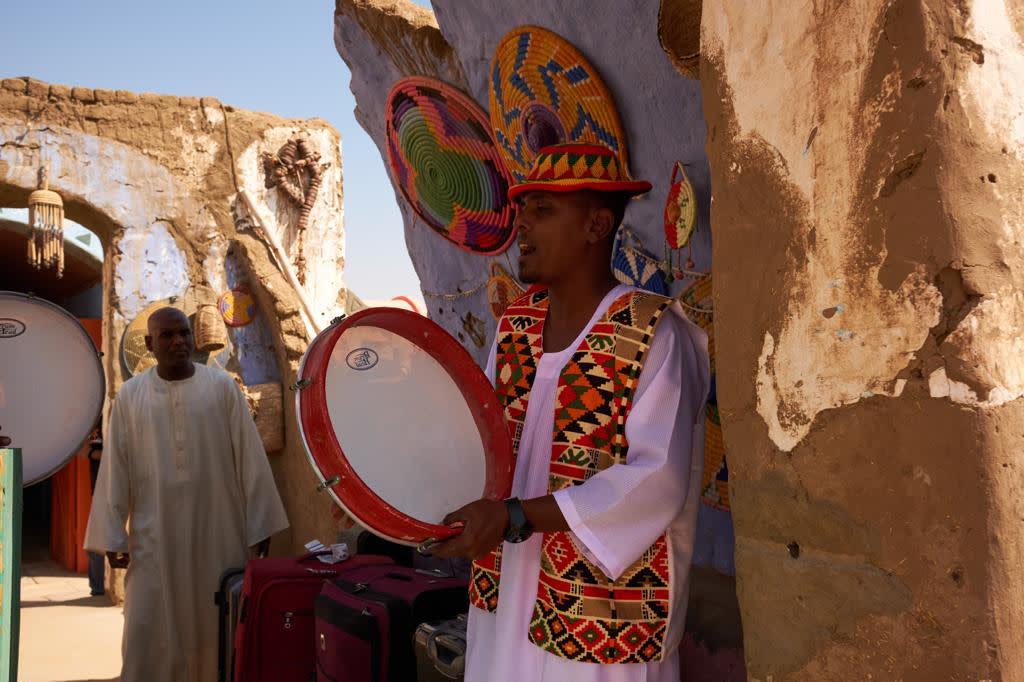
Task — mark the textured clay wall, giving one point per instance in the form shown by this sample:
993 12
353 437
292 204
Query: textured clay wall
866 166
158 179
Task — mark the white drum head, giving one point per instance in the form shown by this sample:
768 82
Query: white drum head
51 383
400 424
404 414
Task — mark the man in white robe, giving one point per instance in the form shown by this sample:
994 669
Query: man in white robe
565 235
185 492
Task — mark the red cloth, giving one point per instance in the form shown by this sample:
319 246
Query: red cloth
71 497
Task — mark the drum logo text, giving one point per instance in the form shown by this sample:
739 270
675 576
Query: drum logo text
362 359
9 328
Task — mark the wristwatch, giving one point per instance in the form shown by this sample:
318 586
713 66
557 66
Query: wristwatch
519 528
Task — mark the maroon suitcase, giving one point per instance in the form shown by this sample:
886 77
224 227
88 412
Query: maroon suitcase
275 628
365 621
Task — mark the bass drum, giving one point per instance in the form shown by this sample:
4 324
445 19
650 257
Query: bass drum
400 424
51 383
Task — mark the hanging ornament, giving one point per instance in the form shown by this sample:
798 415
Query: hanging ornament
46 224
680 212
502 290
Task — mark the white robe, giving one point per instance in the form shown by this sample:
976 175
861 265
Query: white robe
616 515
184 466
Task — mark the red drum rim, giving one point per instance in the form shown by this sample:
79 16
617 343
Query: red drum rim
328 458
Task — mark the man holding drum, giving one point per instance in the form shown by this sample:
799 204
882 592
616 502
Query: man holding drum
583 574
184 469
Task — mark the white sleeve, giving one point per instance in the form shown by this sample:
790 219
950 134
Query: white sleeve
491 358
111 500
619 513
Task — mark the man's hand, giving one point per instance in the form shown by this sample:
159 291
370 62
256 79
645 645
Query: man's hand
484 523
118 559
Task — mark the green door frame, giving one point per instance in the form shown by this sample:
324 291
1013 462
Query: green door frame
10 562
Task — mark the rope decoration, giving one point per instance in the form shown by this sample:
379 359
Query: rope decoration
544 92
446 165
297 172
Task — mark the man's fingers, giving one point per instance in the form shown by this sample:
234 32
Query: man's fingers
457 515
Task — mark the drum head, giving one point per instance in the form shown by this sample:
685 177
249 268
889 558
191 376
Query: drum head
400 424
51 383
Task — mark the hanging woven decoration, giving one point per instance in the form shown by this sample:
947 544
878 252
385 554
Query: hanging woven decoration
297 172
502 290
714 489
632 265
46 224
544 92
680 209
446 165
210 334
699 307
237 307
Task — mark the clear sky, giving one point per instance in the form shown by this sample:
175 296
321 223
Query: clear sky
264 55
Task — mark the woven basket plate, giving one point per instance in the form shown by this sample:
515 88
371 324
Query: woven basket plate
446 164
544 92
699 306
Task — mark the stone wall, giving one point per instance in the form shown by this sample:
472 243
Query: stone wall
157 178
866 164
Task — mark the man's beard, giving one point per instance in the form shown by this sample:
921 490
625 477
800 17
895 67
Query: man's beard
527 277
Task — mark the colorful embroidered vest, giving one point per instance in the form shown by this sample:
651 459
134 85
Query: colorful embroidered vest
581 614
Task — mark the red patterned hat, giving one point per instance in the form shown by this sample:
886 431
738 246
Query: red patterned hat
572 167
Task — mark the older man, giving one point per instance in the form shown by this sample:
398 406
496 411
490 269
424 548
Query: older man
184 492
603 387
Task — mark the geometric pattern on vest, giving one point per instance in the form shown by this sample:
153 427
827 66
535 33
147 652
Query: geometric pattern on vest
580 614
520 333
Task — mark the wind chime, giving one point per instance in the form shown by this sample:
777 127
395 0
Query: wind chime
46 227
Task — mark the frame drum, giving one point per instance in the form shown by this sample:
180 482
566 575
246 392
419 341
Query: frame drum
400 424
51 383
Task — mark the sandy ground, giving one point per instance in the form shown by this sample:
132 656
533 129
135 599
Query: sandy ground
66 635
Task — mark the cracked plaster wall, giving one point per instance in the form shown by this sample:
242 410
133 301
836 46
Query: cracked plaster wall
156 178
866 165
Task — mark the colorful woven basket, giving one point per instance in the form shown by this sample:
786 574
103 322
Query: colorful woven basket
714 489
680 209
502 290
237 307
632 265
699 307
446 165
544 92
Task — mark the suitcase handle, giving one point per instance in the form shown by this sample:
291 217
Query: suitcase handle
312 555
445 638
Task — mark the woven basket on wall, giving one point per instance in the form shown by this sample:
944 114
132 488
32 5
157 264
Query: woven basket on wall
211 335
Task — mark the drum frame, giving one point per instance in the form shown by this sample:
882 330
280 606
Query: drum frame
365 506
99 367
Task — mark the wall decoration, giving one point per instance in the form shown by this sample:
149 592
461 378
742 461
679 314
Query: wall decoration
297 172
698 305
544 92
237 307
266 405
446 165
502 290
210 334
474 326
46 222
633 265
680 209
714 489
